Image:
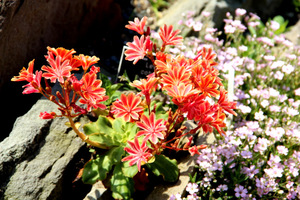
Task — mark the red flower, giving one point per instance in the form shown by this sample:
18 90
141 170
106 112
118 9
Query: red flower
64 54
127 107
34 85
138 153
86 61
137 25
224 103
210 117
147 86
175 76
91 92
208 86
206 55
181 93
191 106
136 50
151 129
195 149
46 115
58 69
25 74
168 36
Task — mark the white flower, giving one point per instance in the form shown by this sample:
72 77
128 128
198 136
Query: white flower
274 25
259 116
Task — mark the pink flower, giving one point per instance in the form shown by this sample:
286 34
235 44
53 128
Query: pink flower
91 91
274 25
137 25
168 36
240 12
240 191
246 154
261 145
192 188
229 29
34 85
297 92
138 153
58 69
197 26
151 129
127 107
205 14
138 48
25 74
288 69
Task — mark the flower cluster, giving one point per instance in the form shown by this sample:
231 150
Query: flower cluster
259 158
132 126
193 85
62 64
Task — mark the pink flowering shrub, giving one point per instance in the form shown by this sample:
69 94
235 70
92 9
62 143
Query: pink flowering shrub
259 156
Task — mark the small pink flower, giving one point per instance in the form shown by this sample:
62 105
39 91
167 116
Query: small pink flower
192 188
297 92
274 25
138 153
240 191
197 26
206 14
240 12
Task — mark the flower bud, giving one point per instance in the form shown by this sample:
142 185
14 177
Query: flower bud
46 115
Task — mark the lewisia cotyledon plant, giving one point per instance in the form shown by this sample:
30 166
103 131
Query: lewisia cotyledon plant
133 127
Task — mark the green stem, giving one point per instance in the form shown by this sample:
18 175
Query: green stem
84 137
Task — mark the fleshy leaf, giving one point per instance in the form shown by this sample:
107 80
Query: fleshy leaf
129 171
122 187
166 167
102 132
110 133
98 168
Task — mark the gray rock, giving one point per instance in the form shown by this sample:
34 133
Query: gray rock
218 10
294 34
33 159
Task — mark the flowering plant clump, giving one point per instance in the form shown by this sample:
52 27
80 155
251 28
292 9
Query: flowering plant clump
259 157
133 127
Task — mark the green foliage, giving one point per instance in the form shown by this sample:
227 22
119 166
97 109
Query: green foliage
97 169
122 186
110 133
165 167
114 135
112 90
297 5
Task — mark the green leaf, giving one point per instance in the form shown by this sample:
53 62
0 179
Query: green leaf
102 132
98 168
130 131
166 167
129 171
122 187
110 133
91 172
